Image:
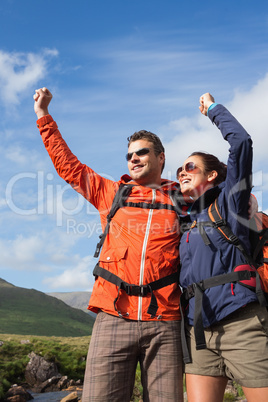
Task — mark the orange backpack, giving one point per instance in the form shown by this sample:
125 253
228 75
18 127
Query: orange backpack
259 241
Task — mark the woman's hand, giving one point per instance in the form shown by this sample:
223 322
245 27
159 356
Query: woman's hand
205 101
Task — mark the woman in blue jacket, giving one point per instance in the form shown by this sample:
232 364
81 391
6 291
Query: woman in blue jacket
235 339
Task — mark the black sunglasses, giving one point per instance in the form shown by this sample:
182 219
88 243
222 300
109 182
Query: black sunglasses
140 152
188 167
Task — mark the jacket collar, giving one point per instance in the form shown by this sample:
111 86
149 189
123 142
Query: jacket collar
206 199
165 184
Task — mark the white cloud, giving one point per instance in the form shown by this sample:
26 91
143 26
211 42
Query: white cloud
42 251
260 189
19 71
198 134
77 277
3 202
21 253
250 108
189 135
22 156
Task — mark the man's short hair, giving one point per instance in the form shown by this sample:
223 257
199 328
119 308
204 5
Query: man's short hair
150 137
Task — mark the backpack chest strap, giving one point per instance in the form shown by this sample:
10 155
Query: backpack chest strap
137 290
146 205
197 290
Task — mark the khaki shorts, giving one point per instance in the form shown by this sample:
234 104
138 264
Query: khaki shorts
237 348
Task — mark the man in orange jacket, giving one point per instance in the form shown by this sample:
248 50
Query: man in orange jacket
136 294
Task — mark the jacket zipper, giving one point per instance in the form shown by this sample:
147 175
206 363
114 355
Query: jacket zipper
143 254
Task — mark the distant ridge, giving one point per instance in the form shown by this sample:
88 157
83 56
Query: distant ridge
30 312
75 299
4 283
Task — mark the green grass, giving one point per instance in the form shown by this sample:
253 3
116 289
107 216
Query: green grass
67 352
137 391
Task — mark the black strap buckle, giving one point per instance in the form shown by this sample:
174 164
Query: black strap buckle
144 290
129 289
136 290
233 239
220 222
190 291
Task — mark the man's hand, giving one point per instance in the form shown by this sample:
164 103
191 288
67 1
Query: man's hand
252 206
42 99
205 101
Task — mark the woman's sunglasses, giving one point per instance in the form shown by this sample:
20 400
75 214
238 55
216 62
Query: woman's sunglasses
140 152
189 167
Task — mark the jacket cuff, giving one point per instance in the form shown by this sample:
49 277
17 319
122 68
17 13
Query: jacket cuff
44 120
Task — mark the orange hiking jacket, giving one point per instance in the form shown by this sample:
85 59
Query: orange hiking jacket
142 244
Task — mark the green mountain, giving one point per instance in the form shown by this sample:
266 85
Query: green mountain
75 299
30 312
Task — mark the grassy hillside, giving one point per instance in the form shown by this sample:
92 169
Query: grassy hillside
28 311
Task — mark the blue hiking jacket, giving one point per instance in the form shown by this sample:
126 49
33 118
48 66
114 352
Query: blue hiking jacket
200 261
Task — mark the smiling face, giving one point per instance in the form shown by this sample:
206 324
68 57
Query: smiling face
145 169
195 181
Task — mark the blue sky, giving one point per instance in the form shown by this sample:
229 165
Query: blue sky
114 67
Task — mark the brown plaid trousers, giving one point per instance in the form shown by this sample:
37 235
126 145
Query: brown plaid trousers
115 348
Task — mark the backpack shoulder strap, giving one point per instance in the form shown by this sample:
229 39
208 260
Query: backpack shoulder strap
121 195
224 229
220 223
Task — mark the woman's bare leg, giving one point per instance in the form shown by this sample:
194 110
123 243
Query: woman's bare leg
256 394
201 388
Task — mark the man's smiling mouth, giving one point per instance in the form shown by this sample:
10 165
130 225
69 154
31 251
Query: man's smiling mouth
137 167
